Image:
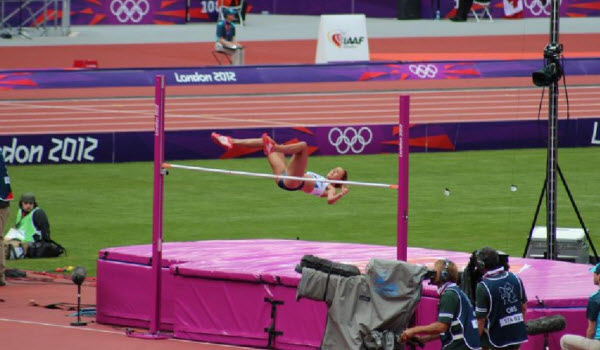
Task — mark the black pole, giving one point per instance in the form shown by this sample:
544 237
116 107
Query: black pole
551 54
21 4
78 323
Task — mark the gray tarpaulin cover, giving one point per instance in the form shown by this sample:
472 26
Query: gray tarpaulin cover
384 298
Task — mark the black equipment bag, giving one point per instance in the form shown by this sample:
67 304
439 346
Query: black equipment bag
45 249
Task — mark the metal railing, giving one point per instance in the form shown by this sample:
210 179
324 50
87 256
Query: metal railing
35 17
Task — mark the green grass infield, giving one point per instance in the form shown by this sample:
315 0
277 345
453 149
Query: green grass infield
94 206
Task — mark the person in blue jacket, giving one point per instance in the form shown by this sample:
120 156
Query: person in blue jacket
501 304
456 325
226 41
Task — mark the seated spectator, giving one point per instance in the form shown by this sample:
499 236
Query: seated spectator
31 226
226 41
591 340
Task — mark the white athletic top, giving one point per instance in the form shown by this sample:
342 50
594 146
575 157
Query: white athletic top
320 184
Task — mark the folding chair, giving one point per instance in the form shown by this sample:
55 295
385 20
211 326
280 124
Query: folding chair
216 55
483 7
223 5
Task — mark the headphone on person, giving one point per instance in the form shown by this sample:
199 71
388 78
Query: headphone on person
444 274
479 264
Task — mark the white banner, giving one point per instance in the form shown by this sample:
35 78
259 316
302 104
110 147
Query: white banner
342 38
512 7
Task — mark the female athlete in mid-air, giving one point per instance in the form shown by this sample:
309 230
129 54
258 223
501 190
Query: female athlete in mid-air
296 167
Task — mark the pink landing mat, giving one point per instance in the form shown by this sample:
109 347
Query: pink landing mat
217 290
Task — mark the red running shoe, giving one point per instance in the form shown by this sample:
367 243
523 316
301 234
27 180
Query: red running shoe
223 141
268 144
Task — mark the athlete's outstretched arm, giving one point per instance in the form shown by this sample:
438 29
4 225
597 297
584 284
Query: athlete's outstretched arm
333 195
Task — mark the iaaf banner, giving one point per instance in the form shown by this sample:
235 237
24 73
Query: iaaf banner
342 38
335 140
342 72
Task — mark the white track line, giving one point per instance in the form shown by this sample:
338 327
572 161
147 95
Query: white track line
105 108
393 104
261 100
175 120
387 109
288 94
95 330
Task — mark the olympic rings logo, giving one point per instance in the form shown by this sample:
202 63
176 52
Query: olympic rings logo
129 10
423 71
539 7
350 139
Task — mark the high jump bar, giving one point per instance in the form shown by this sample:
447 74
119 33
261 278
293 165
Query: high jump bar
272 176
158 198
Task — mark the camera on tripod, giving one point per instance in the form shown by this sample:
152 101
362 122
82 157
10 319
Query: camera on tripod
552 71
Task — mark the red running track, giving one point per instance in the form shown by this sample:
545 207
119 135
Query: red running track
288 109
272 105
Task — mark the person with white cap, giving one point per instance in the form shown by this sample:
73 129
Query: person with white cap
591 341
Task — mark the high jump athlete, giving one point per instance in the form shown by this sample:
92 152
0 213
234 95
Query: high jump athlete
296 167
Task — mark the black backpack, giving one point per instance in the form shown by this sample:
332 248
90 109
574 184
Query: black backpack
44 249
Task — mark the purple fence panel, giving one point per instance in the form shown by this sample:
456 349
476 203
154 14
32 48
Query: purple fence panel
313 7
203 11
377 8
128 12
531 8
335 140
134 146
264 6
573 8
53 149
363 139
388 8
306 7
381 71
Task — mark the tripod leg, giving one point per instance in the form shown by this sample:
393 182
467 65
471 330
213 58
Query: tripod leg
537 212
587 234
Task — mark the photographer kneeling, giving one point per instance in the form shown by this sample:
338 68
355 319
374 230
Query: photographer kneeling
31 235
456 324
